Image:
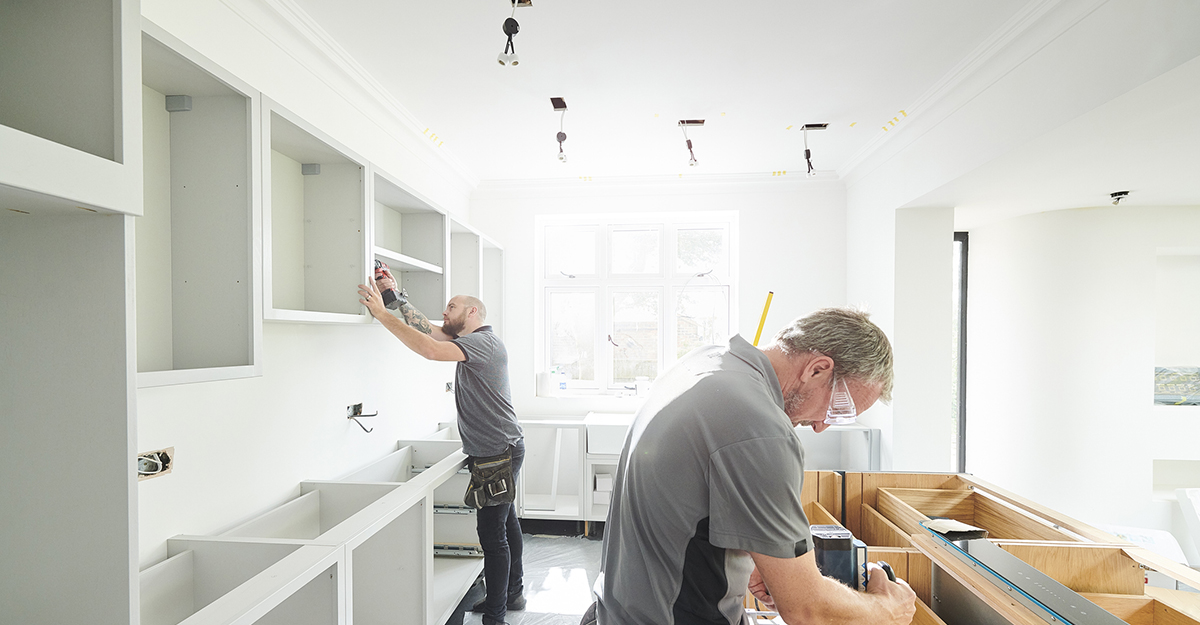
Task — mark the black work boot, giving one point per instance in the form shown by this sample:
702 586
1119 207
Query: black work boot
516 603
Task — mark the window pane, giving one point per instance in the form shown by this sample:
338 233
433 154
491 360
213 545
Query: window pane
573 333
635 251
635 334
701 318
699 250
570 250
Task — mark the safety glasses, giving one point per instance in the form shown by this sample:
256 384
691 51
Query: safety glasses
841 404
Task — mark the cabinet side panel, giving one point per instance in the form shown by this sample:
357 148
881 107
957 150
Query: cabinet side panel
153 229
422 237
210 204
66 460
287 233
333 239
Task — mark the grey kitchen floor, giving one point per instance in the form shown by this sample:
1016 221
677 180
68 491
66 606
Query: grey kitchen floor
559 574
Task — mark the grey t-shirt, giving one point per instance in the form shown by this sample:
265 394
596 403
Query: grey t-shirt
486 420
712 469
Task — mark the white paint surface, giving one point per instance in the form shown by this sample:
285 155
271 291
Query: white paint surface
1061 350
922 427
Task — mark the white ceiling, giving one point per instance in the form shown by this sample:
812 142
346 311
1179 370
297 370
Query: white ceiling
630 70
1145 141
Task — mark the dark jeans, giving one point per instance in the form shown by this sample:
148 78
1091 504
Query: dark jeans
500 537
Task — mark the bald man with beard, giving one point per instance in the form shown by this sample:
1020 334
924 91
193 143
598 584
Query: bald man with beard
487 423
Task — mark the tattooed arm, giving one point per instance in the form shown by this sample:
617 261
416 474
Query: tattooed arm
423 343
414 318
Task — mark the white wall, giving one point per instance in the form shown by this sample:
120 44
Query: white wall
924 340
1061 342
792 242
243 446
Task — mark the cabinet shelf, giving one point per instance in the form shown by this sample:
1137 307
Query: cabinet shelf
452 577
400 262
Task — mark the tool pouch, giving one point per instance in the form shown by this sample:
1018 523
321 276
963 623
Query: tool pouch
492 481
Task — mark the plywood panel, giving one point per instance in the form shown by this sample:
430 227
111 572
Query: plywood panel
808 490
1083 567
1132 610
878 531
952 504
920 575
988 593
925 616
1004 522
852 482
829 492
900 513
1175 606
1166 566
1042 512
896 557
818 515
871 482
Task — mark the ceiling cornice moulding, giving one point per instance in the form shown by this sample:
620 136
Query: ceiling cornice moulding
1022 36
295 32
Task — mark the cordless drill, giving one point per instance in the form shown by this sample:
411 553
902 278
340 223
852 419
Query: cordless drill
391 299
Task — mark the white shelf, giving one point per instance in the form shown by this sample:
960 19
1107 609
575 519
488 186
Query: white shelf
399 262
566 507
452 577
308 316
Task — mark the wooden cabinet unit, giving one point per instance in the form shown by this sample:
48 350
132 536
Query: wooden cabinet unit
1038 564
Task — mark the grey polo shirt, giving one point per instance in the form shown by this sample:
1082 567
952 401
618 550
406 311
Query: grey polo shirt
487 423
712 469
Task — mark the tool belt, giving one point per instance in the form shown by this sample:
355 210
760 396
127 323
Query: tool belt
492 481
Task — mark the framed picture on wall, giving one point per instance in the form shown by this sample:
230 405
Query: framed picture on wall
1177 386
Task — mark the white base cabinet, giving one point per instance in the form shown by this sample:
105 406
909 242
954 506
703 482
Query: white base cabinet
362 549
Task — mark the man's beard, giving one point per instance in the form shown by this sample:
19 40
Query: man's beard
452 327
793 401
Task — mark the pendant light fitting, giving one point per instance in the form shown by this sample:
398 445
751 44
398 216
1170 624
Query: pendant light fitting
511 27
683 125
807 152
560 105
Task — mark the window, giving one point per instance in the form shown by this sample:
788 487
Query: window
624 296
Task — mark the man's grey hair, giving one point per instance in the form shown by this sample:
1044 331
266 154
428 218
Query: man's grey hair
469 300
859 349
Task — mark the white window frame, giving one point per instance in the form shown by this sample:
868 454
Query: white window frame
667 281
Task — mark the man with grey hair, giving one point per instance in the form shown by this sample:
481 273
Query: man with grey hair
487 423
706 503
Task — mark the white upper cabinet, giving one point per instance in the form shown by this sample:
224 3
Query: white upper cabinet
198 311
70 112
315 218
410 237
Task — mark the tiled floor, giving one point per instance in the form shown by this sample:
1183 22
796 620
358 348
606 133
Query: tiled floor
559 574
